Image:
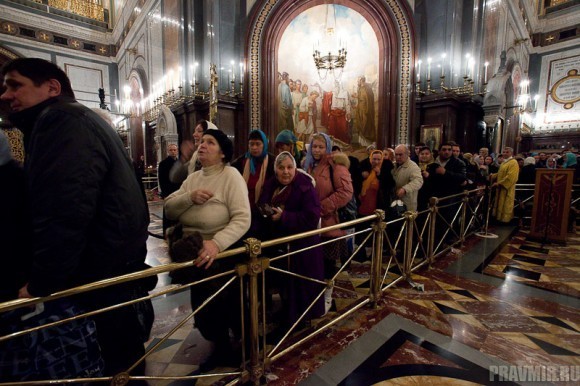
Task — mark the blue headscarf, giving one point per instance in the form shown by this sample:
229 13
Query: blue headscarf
570 161
257 134
309 161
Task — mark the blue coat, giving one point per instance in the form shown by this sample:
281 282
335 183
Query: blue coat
301 213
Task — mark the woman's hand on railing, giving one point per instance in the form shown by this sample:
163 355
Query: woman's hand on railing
207 254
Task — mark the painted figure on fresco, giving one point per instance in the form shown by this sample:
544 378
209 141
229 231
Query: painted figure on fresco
365 111
306 121
285 121
296 100
336 112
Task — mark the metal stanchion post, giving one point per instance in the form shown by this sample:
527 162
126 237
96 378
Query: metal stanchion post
254 248
433 201
378 229
486 234
463 217
408 254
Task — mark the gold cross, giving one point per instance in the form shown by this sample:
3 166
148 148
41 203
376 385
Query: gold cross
8 28
75 43
44 36
550 38
103 50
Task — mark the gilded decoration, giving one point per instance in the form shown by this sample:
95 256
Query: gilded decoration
9 28
255 86
47 37
405 81
405 46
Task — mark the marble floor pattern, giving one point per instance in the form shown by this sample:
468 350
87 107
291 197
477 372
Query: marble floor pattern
508 301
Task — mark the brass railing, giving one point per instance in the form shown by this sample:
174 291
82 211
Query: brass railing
408 242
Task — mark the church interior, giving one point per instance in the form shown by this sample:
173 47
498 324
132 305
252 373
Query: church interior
482 73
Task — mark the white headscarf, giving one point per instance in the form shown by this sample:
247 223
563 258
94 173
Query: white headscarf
529 161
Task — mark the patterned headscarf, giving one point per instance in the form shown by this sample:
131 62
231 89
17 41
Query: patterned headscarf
259 135
309 161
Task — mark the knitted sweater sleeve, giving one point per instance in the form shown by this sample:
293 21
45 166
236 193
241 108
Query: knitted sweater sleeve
179 201
235 194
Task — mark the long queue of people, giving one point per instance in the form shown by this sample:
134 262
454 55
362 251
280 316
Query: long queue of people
267 196
80 216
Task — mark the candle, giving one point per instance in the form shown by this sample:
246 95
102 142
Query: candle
471 64
419 70
467 64
241 72
428 69
195 72
233 72
486 64
443 55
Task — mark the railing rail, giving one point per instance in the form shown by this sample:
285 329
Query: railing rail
409 243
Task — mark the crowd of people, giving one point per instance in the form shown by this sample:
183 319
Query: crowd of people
82 217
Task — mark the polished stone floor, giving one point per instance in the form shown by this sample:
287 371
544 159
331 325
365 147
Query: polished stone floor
498 304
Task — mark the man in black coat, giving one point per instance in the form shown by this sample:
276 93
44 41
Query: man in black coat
89 218
450 178
166 187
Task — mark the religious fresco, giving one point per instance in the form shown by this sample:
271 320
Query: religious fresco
342 103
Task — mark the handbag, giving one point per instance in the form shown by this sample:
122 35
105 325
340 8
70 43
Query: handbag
397 209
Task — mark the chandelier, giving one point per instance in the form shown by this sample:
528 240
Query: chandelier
330 62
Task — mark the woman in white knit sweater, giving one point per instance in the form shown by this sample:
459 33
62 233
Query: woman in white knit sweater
214 202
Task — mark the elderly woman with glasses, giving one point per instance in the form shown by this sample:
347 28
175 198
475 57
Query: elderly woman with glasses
295 208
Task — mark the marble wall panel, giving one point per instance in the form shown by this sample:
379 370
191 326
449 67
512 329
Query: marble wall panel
86 78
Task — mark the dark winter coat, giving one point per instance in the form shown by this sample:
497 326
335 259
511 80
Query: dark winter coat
452 182
89 216
15 229
301 213
165 185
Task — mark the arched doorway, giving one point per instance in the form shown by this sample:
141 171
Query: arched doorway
392 24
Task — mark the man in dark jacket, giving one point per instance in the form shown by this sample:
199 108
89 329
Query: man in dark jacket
89 217
450 178
165 185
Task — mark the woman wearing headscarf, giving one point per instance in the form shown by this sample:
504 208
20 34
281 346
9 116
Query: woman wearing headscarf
256 166
528 171
287 141
334 188
294 201
571 162
214 202
376 193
